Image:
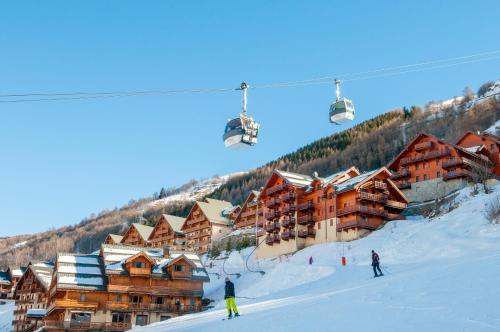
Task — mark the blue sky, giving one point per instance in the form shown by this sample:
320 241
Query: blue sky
63 160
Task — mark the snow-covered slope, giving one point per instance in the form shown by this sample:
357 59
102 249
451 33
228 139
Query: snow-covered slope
441 275
197 191
6 316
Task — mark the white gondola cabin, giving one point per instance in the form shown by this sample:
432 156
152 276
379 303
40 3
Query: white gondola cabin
342 110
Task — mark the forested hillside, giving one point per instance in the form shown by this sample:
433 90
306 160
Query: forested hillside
367 145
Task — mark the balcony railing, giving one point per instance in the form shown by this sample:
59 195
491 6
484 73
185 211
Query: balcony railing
356 208
270 240
271 227
381 198
425 156
273 202
19 311
423 146
271 215
358 222
304 220
87 326
395 204
288 196
288 209
403 173
305 206
289 222
248 213
307 233
458 174
380 185
252 203
275 189
452 162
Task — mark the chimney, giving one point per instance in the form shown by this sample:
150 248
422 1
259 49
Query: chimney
166 252
315 175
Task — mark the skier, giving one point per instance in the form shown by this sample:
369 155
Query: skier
310 260
376 264
229 297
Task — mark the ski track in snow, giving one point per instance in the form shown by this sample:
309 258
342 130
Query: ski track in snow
441 275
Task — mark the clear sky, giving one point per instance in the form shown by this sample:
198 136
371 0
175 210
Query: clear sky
61 161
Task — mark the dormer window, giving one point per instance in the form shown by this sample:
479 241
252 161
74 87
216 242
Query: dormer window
179 268
139 265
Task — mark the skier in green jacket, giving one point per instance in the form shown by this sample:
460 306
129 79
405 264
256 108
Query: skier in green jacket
229 297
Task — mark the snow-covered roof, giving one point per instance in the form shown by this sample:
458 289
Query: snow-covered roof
174 222
36 313
143 230
213 208
80 271
116 238
295 179
352 182
18 272
43 271
116 255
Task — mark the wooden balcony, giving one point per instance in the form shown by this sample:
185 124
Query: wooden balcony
261 232
71 304
252 203
270 240
305 206
379 185
356 208
271 215
72 325
289 196
141 271
460 173
395 216
288 209
425 156
303 233
424 146
271 227
307 219
452 162
402 174
156 290
288 234
289 222
381 198
19 311
249 213
275 189
357 222
395 204
273 202
404 184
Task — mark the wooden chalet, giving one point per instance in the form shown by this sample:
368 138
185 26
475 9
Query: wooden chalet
168 232
137 235
5 284
113 239
31 292
365 202
247 217
123 286
207 221
428 164
483 143
298 211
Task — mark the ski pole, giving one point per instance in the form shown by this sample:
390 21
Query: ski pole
244 297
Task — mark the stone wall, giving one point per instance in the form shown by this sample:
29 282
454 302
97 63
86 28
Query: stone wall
431 189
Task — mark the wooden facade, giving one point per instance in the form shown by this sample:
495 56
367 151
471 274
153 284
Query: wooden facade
5 284
167 232
123 287
137 235
207 222
483 143
113 239
250 212
301 210
427 158
31 293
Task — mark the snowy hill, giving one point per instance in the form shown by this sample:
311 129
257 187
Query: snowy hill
6 316
196 191
441 275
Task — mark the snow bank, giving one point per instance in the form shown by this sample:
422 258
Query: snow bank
441 275
6 316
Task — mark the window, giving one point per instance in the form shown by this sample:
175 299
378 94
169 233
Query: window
425 177
141 320
438 174
120 317
82 297
417 179
139 265
119 298
136 299
331 222
318 199
80 317
220 230
437 161
192 301
178 268
163 318
319 225
331 208
159 300
417 166
493 146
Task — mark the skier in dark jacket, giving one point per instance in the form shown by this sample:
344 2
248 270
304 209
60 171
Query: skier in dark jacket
376 264
229 297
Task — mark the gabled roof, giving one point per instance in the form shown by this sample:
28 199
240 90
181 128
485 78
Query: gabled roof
140 254
79 271
115 237
173 221
417 138
336 177
481 135
42 271
143 231
212 209
18 272
295 179
114 256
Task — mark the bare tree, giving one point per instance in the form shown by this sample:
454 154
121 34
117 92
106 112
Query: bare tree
492 212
